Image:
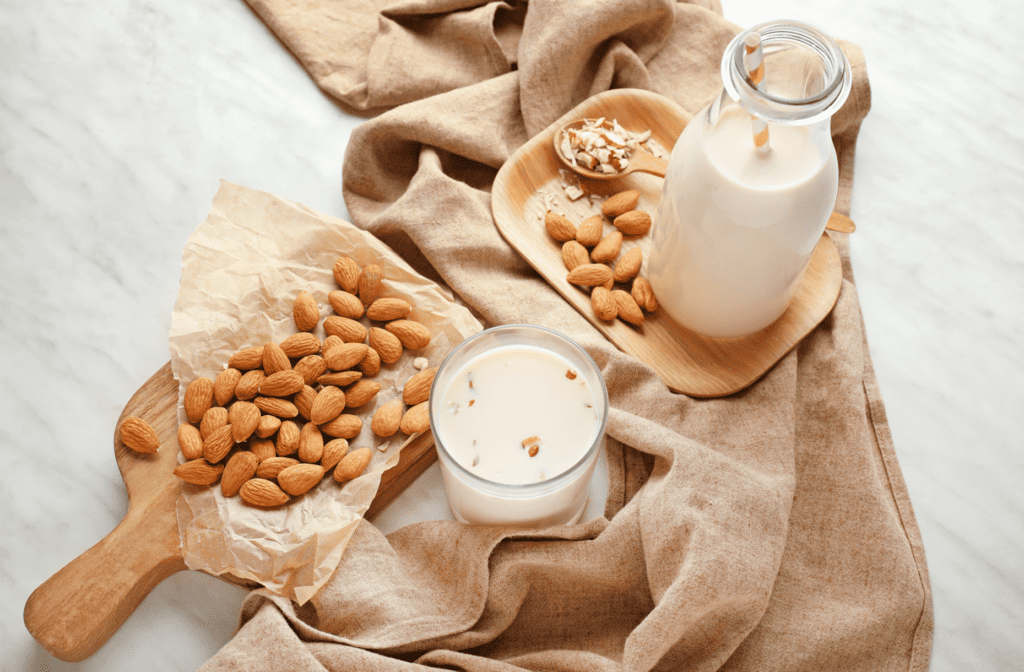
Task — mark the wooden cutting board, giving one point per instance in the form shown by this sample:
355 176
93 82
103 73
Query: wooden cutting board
77 609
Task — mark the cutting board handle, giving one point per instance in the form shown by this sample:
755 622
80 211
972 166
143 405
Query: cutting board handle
77 609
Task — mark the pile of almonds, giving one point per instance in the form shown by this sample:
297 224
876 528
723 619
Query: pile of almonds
601 268
276 419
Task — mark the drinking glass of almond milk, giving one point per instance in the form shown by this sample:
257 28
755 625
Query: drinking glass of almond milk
518 414
751 183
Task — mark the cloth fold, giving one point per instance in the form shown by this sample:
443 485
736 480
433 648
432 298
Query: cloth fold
766 530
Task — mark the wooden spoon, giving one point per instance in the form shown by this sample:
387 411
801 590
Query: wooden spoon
642 161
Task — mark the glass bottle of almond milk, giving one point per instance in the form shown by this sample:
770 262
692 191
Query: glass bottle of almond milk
751 183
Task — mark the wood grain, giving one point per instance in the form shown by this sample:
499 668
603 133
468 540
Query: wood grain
78 609
687 362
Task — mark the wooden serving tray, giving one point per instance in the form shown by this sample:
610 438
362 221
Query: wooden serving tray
77 609
687 362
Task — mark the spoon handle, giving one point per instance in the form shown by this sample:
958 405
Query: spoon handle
840 223
648 163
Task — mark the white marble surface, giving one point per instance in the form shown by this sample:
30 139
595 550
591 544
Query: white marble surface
118 119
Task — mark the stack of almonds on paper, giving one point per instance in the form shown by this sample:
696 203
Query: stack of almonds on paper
602 268
279 416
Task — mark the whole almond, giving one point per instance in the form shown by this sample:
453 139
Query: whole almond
345 426
244 418
387 418
198 398
274 359
591 231
247 359
299 478
304 401
138 435
305 312
628 265
370 366
624 201
190 442
272 466
330 343
346 304
559 226
224 386
288 438
301 344
282 408
340 378
329 403
387 345
643 294
417 388
348 330
218 444
282 384
387 309
214 418
310 367
574 254
263 449
267 425
334 450
361 392
628 309
370 285
604 304
633 223
199 472
249 384
608 248
311 443
352 465
416 419
239 469
589 275
263 493
346 355
346 273
413 335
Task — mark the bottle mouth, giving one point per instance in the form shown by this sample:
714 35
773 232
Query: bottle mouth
807 77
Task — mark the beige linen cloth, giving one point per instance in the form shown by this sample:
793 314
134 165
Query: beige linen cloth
768 530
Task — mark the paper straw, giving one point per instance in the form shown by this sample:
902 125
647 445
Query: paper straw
754 64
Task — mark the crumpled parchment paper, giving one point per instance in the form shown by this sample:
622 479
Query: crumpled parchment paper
241 271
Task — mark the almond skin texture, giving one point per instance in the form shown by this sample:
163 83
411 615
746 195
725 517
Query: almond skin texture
263 449
346 304
643 294
311 443
282 384
301 344
352 465
310 367
387 309
604 305
345 426
629 265
589 275
273 466
387 418
608 248
267 425
334 450
362 392
348 330
138 435
305 312
413 335
244 418
416 419
247 359
620 203
346 355
217 445
274 359
339 378
346 273
299 478
559 227
633 223
263 493
386 344
628 310
190 442
370 285
370 366
417 388
304 401
240 468
214 418
329 403
224 386
198 398
288 438
330 343
199 472
282 408
591 231
249 384
574 254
